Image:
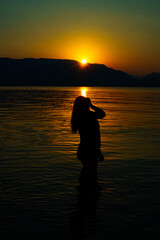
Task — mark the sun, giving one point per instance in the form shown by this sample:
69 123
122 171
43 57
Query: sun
83 61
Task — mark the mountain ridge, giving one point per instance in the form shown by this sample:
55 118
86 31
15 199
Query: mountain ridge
67 72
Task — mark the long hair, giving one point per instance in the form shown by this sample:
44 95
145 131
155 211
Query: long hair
80 107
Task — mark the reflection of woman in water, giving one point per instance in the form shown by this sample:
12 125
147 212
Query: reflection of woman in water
85 122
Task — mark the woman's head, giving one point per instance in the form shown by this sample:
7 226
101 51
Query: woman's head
81 104
80 107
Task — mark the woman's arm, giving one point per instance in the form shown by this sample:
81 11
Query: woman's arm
99 112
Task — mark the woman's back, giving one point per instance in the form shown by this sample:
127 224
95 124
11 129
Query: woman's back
89 130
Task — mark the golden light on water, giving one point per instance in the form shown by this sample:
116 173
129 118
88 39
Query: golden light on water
84 92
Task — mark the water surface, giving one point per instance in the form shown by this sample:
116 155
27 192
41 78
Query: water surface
39 190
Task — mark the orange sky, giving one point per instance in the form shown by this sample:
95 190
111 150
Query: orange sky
124 35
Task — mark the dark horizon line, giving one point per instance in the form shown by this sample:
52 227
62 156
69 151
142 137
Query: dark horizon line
88 63
68 72
66 59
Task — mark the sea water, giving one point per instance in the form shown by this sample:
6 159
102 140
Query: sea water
39 170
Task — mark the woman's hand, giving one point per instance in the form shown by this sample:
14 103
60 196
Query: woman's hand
89 102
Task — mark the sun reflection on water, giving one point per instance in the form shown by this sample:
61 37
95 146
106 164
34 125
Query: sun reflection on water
84 92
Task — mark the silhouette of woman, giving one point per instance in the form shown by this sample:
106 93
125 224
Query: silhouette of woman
86 124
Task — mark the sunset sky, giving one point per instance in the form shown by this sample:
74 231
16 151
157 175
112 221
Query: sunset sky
122 34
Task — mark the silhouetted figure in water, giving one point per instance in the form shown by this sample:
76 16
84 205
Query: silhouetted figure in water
85 122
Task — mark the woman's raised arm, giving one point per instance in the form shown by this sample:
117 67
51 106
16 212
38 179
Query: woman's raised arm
99 112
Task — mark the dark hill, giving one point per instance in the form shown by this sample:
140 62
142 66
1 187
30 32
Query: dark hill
59 72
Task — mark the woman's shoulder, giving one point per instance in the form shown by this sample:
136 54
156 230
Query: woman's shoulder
88 116
92 115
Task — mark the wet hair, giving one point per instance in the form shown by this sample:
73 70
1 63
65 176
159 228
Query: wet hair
80 107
